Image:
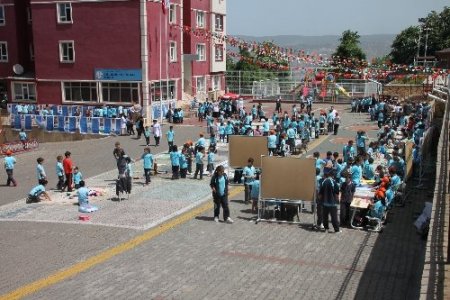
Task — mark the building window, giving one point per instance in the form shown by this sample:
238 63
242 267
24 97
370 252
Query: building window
218 52
201 50
218 25
216 83
163 90
173 51
24 91
172 14
200 19
2 15
80 91
120 92
66 51
31 52
3 52
64 11
201 84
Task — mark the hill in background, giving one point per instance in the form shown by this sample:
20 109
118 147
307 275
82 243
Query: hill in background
373 45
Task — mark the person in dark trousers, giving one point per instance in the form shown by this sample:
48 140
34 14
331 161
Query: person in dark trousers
347 192
329 195
219 187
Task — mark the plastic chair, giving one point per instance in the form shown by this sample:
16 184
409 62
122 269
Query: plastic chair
61 123
83 125
72 124
95 125
107 126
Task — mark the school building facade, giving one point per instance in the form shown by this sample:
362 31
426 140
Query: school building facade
112 52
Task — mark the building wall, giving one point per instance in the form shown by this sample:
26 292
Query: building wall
160 34
106 35
8 33
49 92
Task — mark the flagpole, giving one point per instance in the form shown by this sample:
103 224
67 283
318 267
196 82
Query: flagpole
167 54
160 68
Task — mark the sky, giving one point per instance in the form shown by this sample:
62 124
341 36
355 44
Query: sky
330 17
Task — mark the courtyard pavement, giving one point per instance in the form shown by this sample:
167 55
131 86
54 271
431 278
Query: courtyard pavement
162 242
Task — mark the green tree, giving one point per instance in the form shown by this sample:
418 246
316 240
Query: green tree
349 47
437 25
404 46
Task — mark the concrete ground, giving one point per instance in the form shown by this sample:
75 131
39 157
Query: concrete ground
125 252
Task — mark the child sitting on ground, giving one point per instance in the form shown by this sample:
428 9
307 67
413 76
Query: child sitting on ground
38 193
83 199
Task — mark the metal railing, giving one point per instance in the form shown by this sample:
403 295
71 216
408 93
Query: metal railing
437 248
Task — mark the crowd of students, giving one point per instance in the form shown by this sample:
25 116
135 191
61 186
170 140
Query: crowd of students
338 178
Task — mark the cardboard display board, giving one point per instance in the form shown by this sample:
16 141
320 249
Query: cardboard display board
409 158
243 147
288 178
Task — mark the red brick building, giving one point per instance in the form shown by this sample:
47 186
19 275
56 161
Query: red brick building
109 51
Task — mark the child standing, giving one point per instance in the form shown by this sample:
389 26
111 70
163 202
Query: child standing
23 138
219 187
170 137
77 177
9 162
147 135
148 164
199 162
255 194
347 191
183 163
211 158
175 160
40 171
59 172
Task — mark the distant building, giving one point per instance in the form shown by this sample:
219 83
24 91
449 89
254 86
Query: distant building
110 52
444 58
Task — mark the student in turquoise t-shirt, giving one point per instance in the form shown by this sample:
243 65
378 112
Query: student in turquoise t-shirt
38 193
211 159
148 164
77 177
9 162
175 160
199 162
170 137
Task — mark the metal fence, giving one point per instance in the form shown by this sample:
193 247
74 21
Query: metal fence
290 86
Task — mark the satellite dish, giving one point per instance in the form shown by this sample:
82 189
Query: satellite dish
18 69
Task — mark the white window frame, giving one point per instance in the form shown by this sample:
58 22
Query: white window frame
216 18
3 19
61 54
216 47
64 19
203 88
201 54
119 86
217 82
173 51
4 52
25 84
200 19
70 83
172 14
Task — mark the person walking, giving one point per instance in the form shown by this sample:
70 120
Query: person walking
337 122
156 131
219 188
9 162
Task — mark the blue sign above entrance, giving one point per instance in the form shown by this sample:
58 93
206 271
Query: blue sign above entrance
118 74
